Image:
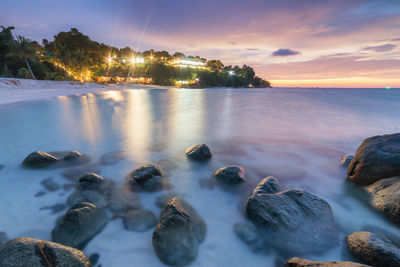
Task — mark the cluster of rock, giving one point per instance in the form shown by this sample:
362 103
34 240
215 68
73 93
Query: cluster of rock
40 159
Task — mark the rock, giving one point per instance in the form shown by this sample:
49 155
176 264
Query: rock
163 200
268 185
178 233
112 158
385 195
79 225
376 158
231 175
50 185
139 220
1 167
373 249
346 159
74 174
90 196
123 200
147 177
249 234
73 155
90 181
94 258
3 238
298 222
22 252
40 194
198 152
39 159
299 262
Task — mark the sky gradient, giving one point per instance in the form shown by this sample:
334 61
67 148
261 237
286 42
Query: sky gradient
341 43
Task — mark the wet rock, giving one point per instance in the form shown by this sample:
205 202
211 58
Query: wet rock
346 159
1 167
74 174
73 155
90 181
249 234
231 175
298 222
376 158
373 249
3 238
139 220
112 158
94 258
198 152
39 159
50 185
163 200
299 262
90 196
268 185
40 194
67 187
56 208
79 225
22 252
178 233
385 197
147 177
123 200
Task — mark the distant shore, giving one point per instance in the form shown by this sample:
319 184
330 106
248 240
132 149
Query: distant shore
14 90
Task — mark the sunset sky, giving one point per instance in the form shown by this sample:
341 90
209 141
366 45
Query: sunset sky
342 43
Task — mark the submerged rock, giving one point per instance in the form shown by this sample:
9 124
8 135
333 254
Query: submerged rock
23 252
376 158
385 197
3 238
231 175
249 234
112 158
50 185
89 196
198 152
73 155
373 249
147 177
293 221
90 181
139 220
123 200
39 159
299 262
74 174
163 200
346 159
1 167
178 234
79 225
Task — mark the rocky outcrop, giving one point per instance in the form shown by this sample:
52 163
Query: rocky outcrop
148 177
79 225
178 234
373 249
231 175
139 220
299 262
346 159
73 155
198 152
22 252
294 221
376 158
385 197
39 159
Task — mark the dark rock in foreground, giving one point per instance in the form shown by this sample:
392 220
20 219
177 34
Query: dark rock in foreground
139 220
178 234
23 252
163 200
38 159
299 262
147 177
376 158
373 249
385 197
79 225
293 221
198 152
231 175
346 159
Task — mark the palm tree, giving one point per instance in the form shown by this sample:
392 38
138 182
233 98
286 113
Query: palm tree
24 49
64 56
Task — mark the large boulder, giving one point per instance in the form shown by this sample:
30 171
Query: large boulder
79 225
139 220
385 197
39 159
373 249
299 262
231 175
148 177
178 233
198 152
297 221
376 158
22 252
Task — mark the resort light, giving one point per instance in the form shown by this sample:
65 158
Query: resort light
231 72
139 60
133 60
109 60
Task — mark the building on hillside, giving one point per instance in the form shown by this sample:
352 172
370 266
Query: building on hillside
186 62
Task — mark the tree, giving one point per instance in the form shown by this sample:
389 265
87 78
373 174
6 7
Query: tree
215 64
24 49
6 43
63 56
178 55
161 74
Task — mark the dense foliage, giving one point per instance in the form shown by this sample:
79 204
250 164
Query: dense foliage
74 56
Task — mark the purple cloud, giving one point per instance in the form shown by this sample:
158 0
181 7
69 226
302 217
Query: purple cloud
381 48
283 52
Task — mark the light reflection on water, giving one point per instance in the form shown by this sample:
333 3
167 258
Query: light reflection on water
296 135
